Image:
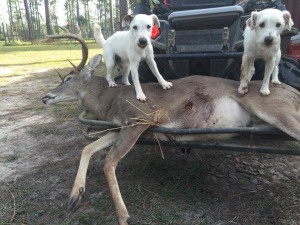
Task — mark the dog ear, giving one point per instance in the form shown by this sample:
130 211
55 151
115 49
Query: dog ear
127 20
251 22
288 19
155 20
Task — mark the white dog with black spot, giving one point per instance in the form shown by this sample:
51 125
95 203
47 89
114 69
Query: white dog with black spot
262 41
127 48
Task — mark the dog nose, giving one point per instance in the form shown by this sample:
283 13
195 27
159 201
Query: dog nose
268 40
143 41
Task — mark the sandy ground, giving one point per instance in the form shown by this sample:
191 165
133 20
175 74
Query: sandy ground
40 148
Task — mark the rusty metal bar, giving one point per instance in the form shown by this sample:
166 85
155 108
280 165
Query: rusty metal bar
247 130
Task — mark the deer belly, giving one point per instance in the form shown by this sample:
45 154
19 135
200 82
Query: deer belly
226 113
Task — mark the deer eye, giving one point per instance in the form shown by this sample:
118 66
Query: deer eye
68 79
278 24
148 26
134 27
262 25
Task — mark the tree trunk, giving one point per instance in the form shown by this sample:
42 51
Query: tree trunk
37 17
48 19
111 17
11 22
29 23
21 18
88 18
123 10
77 12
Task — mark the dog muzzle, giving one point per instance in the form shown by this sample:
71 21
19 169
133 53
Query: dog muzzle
142 43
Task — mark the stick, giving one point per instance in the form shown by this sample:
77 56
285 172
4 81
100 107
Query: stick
13 197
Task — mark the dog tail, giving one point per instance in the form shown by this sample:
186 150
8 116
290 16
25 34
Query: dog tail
98 35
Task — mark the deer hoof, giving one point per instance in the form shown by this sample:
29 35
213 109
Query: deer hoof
125 221
130 221
75 200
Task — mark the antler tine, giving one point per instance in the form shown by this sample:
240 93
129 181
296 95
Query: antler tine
77 37
60 76
72 64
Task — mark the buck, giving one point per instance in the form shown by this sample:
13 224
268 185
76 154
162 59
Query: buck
194 102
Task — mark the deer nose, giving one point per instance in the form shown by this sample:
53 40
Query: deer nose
143 41
268 40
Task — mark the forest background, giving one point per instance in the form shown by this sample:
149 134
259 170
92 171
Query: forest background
31 20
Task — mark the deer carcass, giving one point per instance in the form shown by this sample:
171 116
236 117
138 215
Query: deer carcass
194 102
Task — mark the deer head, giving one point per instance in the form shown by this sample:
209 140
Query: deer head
72 85
70 88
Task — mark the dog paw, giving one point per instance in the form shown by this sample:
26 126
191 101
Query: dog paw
141 97
167 85
126 83
275 82
264 92
112 84
243 90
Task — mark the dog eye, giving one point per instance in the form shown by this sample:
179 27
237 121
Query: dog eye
278 24
262 25
134 27
148 26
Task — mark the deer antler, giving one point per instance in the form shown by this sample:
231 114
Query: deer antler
78 37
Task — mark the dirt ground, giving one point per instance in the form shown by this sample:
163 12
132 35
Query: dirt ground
40 148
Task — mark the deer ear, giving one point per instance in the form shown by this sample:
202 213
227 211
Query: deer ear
91 66
288 20
155 20
127 20
251 22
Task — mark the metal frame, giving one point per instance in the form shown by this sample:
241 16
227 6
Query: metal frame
202 55
250 147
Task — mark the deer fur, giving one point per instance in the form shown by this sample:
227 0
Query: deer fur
192 103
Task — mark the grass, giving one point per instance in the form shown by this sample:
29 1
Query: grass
13 59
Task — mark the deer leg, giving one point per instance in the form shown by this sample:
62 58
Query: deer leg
79 183
153 67
125 141
269 67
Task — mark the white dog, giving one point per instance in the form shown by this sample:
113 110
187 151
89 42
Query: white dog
127 48
262 41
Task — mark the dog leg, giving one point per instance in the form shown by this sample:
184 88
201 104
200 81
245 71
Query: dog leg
245 78
136 82
126 72
275 79
110 64
153 67
269 67
251 69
